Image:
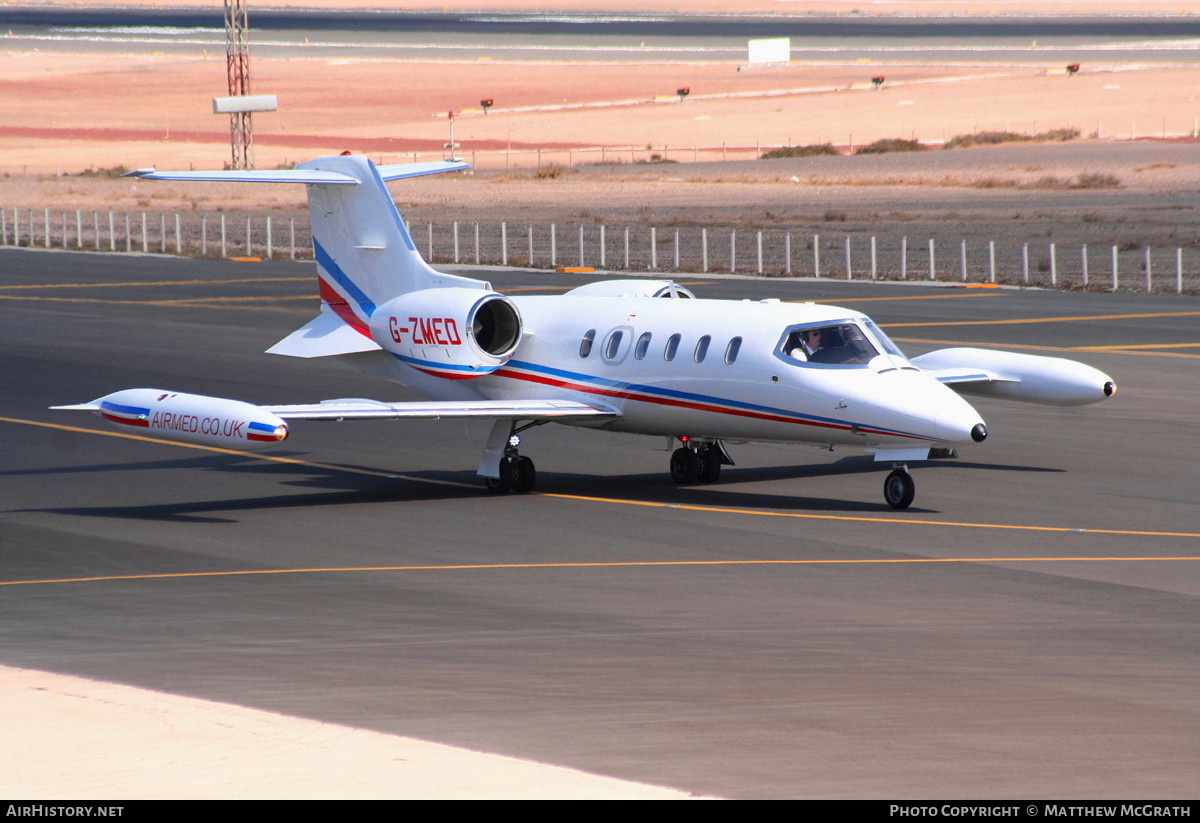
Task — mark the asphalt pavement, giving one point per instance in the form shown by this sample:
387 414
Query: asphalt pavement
1026 630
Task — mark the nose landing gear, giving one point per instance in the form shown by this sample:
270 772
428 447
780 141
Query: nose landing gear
899 489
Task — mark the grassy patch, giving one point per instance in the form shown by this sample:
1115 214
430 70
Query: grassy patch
894 144
811 150
112 172
994 138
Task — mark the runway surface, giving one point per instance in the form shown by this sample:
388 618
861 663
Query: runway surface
599 36
1026 630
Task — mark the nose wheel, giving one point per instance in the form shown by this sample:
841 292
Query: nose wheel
899 489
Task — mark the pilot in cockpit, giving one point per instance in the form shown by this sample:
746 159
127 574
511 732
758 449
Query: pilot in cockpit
803 344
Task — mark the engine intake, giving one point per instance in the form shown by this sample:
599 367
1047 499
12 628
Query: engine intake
453 333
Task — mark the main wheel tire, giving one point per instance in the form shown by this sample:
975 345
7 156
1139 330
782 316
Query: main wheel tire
710 466
504 483
525 476
685 466
899 489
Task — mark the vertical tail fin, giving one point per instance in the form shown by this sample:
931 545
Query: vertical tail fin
364 250
365 253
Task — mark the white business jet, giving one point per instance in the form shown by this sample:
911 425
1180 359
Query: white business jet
641 356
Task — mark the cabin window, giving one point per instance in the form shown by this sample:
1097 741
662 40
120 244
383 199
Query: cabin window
701 348
731 351
672 347
643 345
613 344
585 345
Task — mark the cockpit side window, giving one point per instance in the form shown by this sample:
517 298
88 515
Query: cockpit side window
843 344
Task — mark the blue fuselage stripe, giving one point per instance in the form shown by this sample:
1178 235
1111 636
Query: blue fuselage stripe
365 304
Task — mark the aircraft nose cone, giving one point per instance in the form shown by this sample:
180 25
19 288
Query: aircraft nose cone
1110 388
979 433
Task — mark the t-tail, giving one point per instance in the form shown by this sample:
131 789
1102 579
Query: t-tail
365 254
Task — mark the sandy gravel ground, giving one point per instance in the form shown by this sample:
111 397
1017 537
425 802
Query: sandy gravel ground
121 743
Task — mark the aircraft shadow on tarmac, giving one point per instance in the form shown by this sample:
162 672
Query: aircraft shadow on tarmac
331 486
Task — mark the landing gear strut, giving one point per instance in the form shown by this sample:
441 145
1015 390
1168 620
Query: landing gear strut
899 488
514 472
698 463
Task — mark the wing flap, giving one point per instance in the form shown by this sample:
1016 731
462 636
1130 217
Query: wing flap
358 409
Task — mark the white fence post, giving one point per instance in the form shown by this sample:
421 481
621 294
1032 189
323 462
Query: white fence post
816 255
1115 277
849 267
1084 263
991 261
932 263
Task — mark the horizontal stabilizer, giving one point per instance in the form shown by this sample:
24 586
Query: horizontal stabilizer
326 335
300 175
488 409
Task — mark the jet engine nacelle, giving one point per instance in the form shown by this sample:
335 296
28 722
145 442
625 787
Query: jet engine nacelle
452 332
1054 381
192 418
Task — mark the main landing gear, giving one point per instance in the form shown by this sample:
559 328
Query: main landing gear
513 472
899 489
698 462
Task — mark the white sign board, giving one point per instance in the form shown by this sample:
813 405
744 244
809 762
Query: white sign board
246 102
770 50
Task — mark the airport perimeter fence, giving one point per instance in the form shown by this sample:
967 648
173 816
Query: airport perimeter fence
774 252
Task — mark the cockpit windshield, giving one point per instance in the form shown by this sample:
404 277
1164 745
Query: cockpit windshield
844 344
882 339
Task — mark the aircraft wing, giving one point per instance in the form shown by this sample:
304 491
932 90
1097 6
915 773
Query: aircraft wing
358 409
